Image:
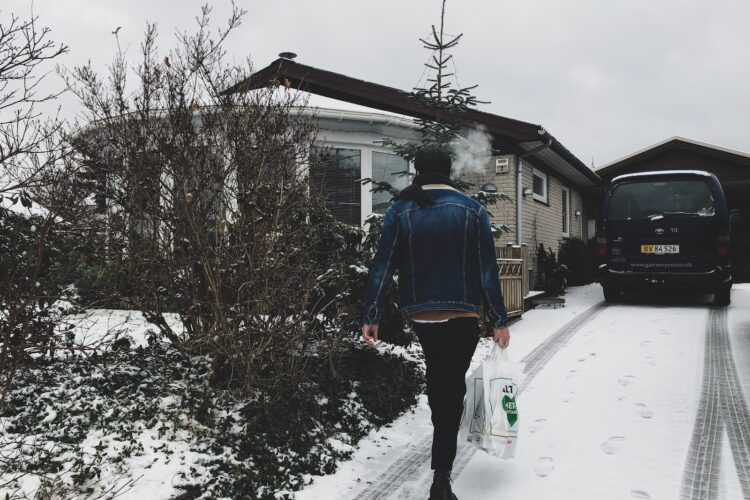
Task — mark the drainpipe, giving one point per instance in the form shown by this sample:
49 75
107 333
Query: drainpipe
519 182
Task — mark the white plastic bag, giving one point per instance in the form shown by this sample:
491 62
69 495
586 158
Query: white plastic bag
490 418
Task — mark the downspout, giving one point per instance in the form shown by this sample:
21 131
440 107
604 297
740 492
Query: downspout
519 182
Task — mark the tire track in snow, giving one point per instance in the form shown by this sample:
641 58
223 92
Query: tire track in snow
722 407
409 466
734 409
540 356
700 478
534 362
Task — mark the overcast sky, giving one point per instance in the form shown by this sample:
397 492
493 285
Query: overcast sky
605 77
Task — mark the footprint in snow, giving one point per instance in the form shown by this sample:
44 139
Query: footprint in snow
644 343
568 396
537 425
650 360
571 374
627 380
613 445
544 466
639 494
664 332
643 410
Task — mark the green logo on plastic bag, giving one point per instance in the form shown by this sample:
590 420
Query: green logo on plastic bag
509 406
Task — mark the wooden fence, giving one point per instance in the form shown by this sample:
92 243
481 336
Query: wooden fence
514 276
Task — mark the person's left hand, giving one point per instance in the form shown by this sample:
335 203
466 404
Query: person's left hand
370 334
501 336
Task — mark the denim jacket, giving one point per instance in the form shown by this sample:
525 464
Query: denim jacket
445 255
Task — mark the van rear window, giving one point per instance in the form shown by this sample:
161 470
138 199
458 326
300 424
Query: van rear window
657 199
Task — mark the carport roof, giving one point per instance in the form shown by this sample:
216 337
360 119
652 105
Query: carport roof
508 134
614 168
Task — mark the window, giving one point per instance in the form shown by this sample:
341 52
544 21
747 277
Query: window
656 199
143 173
387 167
565 212
337 171
540 185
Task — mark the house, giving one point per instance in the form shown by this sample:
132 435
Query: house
732 168
552 193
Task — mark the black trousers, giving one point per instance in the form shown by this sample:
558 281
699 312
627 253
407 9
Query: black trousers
448 348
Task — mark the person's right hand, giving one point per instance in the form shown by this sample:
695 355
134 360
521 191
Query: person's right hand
501 336
370 334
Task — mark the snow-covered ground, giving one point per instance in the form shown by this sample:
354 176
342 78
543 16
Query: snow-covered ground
611 415
617 409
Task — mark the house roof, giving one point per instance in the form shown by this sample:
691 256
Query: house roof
613 168
508 134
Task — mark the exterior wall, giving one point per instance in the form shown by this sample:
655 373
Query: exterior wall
542 222
504 212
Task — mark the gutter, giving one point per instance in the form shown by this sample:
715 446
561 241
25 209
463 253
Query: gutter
519 181
358 116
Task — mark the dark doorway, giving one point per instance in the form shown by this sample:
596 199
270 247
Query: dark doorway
738 199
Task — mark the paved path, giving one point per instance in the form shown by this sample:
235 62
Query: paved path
644 399
410 474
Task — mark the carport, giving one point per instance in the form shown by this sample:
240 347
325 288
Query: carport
732 168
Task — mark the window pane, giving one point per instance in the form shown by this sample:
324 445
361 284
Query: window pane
336 171
539 186
385 167
642 200
565 213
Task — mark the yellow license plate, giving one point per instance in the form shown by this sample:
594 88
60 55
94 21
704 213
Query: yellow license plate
660 249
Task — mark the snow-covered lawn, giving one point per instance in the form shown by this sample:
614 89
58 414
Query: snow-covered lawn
135 419
610 416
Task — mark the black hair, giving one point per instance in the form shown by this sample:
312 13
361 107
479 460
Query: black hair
433 159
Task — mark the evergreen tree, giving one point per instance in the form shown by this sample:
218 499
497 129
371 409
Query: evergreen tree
446 101
439 96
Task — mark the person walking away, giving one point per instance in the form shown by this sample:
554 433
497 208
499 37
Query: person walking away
441 242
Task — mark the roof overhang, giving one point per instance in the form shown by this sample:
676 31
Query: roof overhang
508 135
611 169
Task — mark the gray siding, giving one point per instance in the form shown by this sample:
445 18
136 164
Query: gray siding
504 212
542 222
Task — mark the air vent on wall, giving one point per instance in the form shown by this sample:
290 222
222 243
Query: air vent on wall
502 166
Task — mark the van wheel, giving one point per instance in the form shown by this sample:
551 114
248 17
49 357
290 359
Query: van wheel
611 294
723 296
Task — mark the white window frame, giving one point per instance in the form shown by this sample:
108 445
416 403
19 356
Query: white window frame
371 152
365 170
545 184
366 152
566 197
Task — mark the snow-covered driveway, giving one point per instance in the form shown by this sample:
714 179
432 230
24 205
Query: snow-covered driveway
644 399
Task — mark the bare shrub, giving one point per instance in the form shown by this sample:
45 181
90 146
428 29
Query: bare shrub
30 149
201 199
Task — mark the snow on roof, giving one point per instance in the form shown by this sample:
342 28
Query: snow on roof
664 172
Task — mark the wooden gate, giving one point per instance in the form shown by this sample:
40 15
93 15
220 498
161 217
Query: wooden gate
514 282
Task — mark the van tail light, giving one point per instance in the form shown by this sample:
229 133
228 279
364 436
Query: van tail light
723 245
601 243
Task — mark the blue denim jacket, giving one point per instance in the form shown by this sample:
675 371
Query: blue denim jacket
445 255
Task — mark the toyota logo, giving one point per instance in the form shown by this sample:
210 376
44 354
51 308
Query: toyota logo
659 230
